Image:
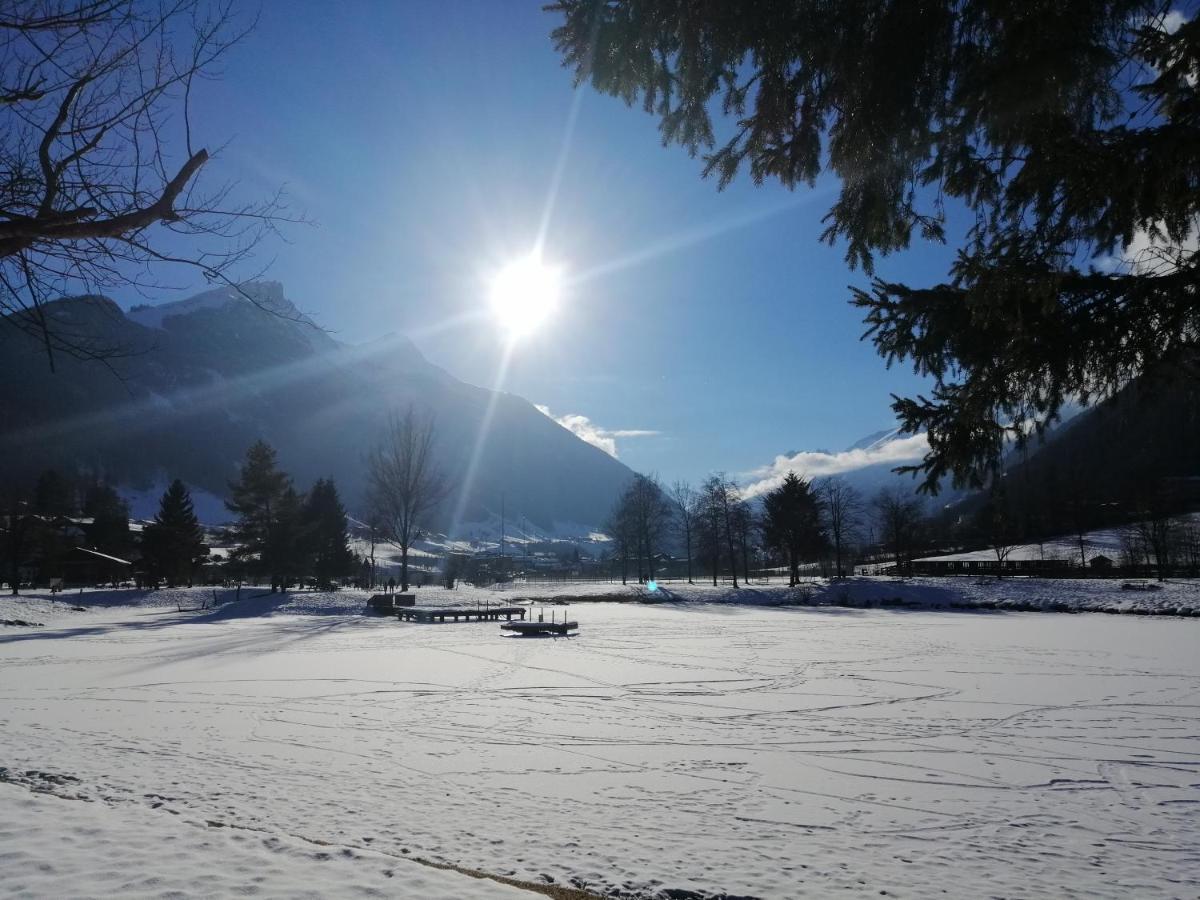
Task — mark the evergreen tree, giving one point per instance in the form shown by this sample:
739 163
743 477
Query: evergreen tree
173 544
108 531
256 497
792 522
325 535
53 495
287 545
18 532
1067 128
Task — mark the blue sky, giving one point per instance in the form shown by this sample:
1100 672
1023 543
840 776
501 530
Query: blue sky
422 139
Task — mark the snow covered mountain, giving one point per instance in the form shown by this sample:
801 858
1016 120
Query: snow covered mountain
202 378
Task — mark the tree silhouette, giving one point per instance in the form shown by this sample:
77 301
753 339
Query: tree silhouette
173 544
325 534
256 497
1067 128
792 522
404 484
97 161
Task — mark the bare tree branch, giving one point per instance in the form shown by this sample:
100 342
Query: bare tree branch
97 165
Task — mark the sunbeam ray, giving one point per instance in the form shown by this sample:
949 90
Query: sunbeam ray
485 424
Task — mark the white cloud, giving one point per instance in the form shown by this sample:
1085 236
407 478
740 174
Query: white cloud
817 465
587 430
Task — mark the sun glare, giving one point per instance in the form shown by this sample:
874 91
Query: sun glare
524 294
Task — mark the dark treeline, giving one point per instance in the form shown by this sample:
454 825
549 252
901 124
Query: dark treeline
75 529
282 536
44 522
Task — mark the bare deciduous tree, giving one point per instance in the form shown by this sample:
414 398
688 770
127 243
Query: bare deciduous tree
843 508
404 483
97 159
640 521
1155 529
999 525
709 521
718 499
899 515
744 525
687 508
620 529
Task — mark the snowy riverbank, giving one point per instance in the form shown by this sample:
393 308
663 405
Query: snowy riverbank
1175 597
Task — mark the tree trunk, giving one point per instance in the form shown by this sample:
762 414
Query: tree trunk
688 541
732 559
404 569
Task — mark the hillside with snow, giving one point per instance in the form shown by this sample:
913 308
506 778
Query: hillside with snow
202 378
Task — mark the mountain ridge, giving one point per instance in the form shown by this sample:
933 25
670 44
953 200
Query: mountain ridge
203 377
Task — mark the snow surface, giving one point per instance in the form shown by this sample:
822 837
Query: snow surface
60 842
706 747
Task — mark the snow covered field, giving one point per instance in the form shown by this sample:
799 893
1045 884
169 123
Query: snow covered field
699 747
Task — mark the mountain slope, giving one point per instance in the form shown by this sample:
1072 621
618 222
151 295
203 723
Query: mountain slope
207 376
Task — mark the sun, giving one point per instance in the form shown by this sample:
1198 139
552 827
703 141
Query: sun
524 294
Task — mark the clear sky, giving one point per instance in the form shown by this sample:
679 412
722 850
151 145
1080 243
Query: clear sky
423 139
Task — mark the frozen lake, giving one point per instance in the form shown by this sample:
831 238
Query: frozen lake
762 752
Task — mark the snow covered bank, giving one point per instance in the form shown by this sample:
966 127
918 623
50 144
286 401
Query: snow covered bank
1176 597
695 748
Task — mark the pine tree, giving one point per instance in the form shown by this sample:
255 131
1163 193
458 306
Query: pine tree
328 550
1066 130
286 546
53 495
173 544
792 522
256 497
108 531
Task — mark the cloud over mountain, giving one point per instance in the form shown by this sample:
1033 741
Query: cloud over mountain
890 450
587 430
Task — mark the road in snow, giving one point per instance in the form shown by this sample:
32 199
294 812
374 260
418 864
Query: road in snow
765 752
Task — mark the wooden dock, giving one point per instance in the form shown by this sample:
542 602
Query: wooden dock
465 613
541 627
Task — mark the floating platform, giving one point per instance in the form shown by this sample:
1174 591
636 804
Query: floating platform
465 613
541 627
